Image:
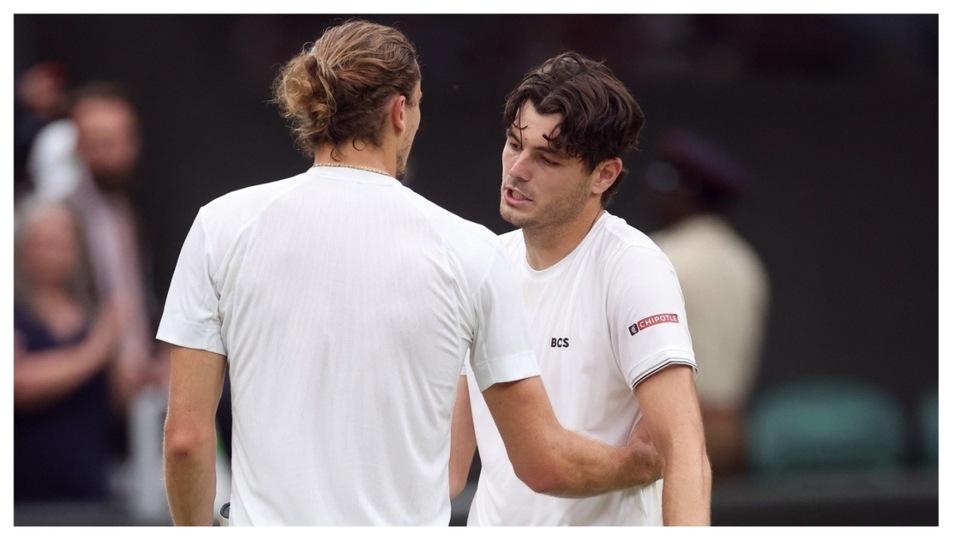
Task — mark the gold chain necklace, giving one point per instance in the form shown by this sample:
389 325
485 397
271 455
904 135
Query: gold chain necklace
358 167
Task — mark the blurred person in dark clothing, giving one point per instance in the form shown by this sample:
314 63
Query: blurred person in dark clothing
64 359
724 282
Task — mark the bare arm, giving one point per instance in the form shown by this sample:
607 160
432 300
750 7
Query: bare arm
463 444
669 403
555 461
190 435
43 377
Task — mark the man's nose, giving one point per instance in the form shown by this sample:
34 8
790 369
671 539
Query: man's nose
519 169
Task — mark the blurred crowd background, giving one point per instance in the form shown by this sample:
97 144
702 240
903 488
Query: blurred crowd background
813 137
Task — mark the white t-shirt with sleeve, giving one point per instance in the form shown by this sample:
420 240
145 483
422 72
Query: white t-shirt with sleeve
345 304
608 315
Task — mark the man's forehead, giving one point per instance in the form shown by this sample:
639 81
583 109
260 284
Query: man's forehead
536 137
528 115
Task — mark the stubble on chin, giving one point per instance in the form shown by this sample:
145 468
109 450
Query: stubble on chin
512 217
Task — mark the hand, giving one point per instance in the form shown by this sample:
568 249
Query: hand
645 451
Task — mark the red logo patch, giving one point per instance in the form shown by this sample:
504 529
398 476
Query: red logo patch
652 320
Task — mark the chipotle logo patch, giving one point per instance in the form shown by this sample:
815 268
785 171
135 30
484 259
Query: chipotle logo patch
652 320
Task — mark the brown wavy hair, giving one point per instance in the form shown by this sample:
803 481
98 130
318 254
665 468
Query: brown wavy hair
601 119
335 90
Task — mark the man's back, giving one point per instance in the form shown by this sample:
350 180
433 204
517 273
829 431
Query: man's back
347 304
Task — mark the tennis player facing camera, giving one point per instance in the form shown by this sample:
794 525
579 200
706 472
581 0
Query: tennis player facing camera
605 308
343 305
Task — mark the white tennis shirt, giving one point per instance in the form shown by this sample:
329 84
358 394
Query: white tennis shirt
608 315
345 304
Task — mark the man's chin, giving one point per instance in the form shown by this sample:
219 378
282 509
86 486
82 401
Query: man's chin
511 216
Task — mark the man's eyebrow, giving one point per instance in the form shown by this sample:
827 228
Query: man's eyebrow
548 148
513 132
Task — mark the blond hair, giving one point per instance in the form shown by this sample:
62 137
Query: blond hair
335 90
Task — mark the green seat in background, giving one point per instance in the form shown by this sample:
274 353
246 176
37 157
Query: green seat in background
826 425
929 421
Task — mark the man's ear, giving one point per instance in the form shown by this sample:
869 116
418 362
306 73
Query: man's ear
398 114
606 174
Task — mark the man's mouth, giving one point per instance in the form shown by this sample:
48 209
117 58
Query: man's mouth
513 196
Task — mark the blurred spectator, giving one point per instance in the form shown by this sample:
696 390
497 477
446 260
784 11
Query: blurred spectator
41 99
724 282
63 360
108 145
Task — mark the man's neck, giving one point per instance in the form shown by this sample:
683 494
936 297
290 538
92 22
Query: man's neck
549 245
369 158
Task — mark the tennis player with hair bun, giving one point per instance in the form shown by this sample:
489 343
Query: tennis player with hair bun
343 305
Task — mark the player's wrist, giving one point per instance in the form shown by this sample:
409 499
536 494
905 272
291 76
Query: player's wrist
647 467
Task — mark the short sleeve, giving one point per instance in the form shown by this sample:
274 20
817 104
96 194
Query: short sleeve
191 315
647 318
502 350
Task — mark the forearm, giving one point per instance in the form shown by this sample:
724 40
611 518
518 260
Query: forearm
587 467
190 476
687 483
672 414
552 460
190 434
43 377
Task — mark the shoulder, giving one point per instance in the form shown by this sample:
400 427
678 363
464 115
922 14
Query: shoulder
457 231
233 211
621 242
630 265
251 197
